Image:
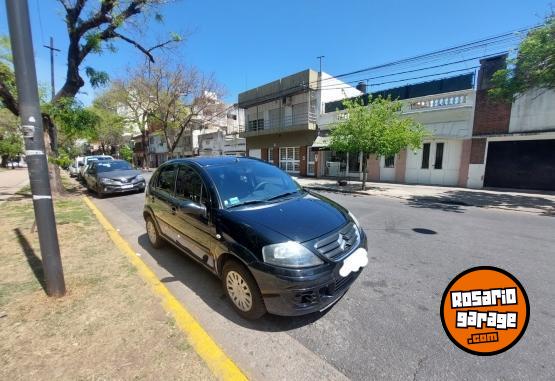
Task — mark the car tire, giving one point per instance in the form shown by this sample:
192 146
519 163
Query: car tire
242 291
99 193
153 234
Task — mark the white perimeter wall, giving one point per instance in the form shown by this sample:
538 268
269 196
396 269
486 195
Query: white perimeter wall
533 111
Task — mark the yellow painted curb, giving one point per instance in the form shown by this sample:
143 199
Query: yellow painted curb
218 362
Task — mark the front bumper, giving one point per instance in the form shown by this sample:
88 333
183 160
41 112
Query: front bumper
116 188
302 293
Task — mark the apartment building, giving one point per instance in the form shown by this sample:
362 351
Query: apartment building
281 118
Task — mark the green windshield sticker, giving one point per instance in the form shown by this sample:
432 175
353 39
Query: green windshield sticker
234 200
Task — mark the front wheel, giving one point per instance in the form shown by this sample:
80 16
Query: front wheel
242 290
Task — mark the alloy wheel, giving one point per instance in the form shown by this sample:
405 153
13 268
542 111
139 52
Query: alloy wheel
239 291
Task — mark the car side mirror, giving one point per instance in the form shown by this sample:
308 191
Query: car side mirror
190 207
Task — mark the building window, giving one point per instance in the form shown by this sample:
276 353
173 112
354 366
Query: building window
426 156
270 155
289 159
389 161
439 156
256 125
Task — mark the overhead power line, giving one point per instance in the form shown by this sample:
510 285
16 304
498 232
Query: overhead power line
418 60
326 87
515 34
470 69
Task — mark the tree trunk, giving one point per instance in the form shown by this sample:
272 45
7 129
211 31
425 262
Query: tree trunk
56 186
364 170
143 141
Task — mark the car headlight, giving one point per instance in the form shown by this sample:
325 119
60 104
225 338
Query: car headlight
354 219
139 178
289 254
105 180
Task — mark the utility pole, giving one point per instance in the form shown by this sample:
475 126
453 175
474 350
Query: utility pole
52 49
33 132
320 58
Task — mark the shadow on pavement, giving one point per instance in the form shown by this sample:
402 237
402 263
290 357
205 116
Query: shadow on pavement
455 201
208 287
35 263
348 188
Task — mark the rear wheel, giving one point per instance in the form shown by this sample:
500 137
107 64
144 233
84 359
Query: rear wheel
242 290
153 236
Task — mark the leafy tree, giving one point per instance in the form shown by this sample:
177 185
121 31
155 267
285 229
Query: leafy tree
533 67
377 129
92 27
110 128
73 120
11 142
126 153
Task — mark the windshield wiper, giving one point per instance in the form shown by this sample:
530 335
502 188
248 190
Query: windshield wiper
282 195
246 203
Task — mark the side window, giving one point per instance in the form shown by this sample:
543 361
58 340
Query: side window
189 185
166 178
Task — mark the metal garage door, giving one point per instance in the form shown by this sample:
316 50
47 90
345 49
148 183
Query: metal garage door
524 164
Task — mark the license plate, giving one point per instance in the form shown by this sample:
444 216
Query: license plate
354 262
126 186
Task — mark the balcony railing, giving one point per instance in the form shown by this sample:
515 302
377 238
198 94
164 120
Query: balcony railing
287 121
439 101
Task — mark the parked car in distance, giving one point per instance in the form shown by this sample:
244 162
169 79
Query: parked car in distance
73 170
113 176
86 162
276 247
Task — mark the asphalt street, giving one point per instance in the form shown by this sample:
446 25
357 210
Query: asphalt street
387 326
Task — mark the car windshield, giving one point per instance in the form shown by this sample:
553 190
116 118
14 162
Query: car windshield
248 181
108 166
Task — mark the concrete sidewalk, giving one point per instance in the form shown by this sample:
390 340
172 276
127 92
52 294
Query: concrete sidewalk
444 197
12 180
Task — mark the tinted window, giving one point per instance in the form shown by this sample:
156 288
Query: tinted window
108 166
166 178
247 180
188 185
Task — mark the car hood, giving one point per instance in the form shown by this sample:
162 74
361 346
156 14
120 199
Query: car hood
117 175
298 219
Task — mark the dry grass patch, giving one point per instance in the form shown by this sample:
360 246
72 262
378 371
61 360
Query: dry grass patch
109 326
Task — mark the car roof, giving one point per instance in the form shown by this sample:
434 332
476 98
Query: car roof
109 161
211 161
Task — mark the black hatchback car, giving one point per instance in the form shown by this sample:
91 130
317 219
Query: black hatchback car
276 247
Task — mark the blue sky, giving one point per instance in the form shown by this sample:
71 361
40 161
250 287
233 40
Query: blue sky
249 43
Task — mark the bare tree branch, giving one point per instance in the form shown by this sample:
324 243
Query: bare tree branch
137 45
